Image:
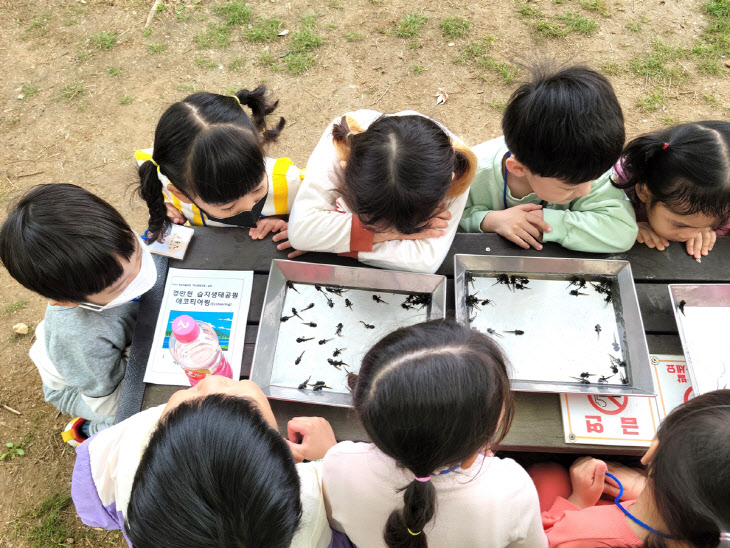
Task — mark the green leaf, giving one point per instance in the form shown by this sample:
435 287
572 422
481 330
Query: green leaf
9 445
20 452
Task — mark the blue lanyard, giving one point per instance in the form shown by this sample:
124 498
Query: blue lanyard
543 203
632 518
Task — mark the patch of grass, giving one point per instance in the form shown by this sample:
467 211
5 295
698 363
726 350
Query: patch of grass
331 26
72 91
711 100
599 6
634 27
180 12
103 40
126 100
455 27
410 25
234 13
577 23
216 35
526 11
82 56
417 69
713 46
12 450
146 32
267 60
185 87
653 66
15 306
498 106
306 38
297 63
478 55
237 63
29 90
415 45
354 37
113 71
612 69
156 48
653 101
38 24
264 30
712 67
205 63
668 120
44 526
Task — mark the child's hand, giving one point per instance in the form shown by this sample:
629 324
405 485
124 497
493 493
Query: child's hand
632 481
274 224
647 236
523 224
174 214
309 437
435 228
587 476
701 244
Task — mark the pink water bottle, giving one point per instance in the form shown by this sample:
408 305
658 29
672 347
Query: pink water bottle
194 346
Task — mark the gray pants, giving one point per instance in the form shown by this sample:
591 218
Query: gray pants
69 401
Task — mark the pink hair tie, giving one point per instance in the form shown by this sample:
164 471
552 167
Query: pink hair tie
665 146
422 480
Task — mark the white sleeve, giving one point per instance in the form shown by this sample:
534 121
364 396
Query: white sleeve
315 222
527 506
417 255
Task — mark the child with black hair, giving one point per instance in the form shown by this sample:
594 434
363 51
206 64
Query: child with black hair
208 167
435 400
684 502
91 266
387 189
208 469
678 180
549 179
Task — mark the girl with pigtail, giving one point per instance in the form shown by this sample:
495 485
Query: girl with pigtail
386 189
435 400
678 179
683 502
208 167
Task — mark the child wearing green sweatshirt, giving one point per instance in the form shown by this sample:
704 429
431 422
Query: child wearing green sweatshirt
549 178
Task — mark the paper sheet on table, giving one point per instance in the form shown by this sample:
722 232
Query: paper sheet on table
175 243
627 420
708 346
218 297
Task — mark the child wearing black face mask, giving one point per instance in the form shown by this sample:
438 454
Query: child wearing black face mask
76 250
208 167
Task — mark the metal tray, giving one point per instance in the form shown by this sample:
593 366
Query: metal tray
274 368
702 321
564 335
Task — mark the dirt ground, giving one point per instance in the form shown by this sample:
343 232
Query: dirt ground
83 85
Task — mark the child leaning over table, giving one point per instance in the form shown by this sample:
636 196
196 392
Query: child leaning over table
208 167
549 179
76 250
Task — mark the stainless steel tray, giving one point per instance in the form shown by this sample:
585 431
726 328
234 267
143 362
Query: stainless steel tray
702 320
563 335
275 368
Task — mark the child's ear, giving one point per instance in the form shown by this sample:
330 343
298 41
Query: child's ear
515 167
63 303
179 195
343 164
643 193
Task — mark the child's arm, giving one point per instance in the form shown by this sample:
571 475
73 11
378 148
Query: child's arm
105 466
600 222
89 353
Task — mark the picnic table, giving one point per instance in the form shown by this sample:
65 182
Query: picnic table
537 424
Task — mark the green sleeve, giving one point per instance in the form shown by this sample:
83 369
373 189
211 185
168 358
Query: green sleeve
600 222
471 219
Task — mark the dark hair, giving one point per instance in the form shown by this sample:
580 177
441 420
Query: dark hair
215 474
65 243
689 475
565 124
399 170
690 175
209 148
431 395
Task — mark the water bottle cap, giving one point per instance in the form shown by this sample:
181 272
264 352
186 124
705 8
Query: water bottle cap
185 329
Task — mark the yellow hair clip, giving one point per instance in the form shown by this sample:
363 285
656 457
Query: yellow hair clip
154 163
412 533
237 99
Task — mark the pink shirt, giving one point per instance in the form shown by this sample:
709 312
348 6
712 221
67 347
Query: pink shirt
598 526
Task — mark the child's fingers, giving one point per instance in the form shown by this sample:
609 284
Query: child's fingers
518 240
529 207
532 230
539 223
437 222
658 241
713 239
527 237
284 245
294 448
445 215
640 236
296 253
283 235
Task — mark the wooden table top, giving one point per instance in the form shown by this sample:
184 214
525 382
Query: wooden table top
537 425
